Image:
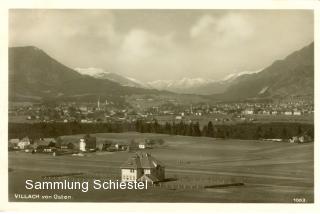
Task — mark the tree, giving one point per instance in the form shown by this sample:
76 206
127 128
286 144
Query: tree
259 133
205 131
210 130
284 133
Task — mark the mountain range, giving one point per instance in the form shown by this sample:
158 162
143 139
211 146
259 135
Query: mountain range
34 75
185 85
291 76
198 85
99 73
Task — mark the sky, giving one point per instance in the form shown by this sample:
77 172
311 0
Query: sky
171 44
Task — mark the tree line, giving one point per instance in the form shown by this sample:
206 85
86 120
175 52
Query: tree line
235 131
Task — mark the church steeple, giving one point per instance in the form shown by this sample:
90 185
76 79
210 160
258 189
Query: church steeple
99 103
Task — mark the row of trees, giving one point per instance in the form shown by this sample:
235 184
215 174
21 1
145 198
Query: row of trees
236 131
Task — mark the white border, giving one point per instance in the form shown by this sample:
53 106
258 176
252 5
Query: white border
150 207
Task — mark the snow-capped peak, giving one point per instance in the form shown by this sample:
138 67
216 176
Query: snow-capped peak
102 74
91 71
135 80
233 76
179 84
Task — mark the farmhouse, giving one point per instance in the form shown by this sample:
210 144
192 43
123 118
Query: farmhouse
13 143
44 145
143 167
24 143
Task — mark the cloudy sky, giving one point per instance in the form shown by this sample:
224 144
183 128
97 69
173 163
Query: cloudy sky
164 44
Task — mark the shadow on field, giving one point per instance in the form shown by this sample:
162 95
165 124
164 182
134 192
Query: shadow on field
224 185
169 179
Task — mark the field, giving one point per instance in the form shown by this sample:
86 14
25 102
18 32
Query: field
270 171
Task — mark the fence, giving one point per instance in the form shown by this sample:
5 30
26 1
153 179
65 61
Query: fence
174 182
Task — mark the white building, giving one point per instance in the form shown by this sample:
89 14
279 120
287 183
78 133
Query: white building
297 113
288 113
178 117
82 145
24 143
142 167
142 146
248 111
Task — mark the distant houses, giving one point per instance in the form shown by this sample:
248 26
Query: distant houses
86 143
143 167
300 139
44 145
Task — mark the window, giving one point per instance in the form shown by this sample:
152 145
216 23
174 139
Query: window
147 171
131 170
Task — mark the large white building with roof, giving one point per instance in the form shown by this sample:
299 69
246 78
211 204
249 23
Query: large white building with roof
143 167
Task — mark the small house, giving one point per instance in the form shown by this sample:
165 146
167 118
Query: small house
24 142
248 111
142 145
42 145
294 139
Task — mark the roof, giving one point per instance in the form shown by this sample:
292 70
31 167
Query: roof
14 141
144 161
149 178
40 142
49 140
25 139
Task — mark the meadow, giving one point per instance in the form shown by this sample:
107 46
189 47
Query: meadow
269 171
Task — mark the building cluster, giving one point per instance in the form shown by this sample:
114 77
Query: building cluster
84 144
108 112
74 112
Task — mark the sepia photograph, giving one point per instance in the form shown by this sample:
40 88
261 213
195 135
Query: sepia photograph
161 105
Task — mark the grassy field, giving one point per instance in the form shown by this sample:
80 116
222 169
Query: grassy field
270 171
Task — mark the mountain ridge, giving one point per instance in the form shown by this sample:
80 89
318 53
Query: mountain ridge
293 75
34 75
